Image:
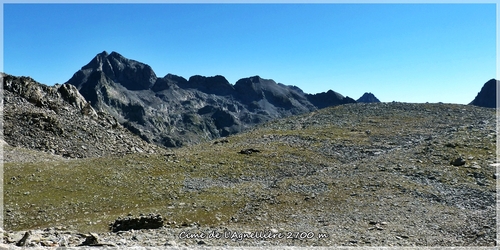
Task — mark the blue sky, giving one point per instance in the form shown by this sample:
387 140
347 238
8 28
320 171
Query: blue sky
399 52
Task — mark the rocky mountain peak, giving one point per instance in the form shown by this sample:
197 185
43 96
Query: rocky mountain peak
368 98
131 74
487 96
97 61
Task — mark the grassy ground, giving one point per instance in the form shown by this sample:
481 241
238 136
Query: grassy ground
323 168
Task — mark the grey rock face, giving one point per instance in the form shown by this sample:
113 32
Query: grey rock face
487 96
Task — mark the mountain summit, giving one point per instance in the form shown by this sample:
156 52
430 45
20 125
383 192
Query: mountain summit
487 96
368 98
175 111
131 74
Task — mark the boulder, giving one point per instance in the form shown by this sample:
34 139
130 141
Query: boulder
151 221
458 162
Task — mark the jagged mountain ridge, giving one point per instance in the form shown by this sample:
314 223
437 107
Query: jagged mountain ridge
173 111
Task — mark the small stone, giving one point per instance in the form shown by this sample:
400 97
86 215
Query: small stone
48 243
91 239
458 162
249 151
171 243
23 241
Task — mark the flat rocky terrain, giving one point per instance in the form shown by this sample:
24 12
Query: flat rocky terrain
380 174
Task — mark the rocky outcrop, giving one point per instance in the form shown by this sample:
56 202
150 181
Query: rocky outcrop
487 96
368 98
58 120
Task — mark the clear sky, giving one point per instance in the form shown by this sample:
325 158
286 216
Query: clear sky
399 52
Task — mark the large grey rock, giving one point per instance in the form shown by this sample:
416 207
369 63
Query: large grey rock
71 95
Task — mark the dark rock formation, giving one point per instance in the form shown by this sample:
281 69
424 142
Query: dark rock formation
487 96
458 162
151 221
329 98
368 98
22 242
91 239
249 151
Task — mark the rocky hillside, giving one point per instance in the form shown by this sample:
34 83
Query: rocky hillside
487 97
368 98
379 174
174 111
59 121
